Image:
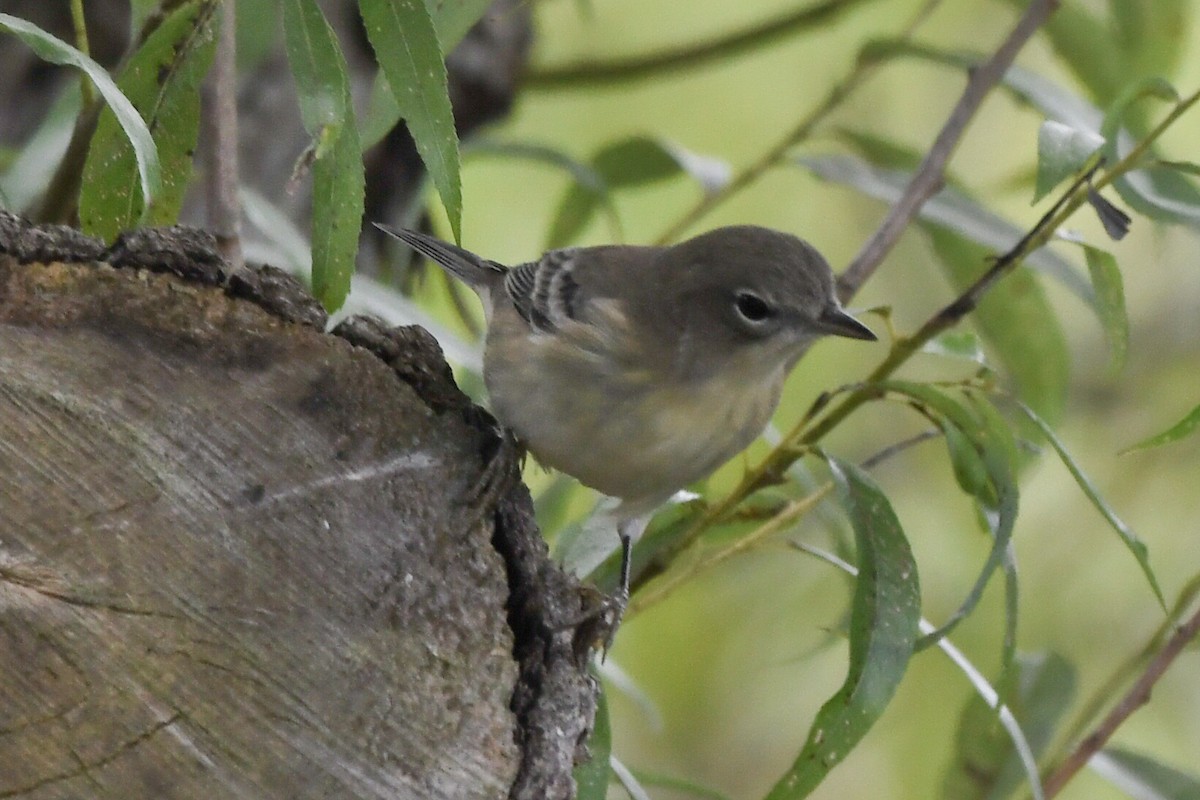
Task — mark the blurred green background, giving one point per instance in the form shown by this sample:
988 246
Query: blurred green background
736 663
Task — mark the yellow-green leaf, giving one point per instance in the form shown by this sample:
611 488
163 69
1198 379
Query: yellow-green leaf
1174 433
338 182
56 51
406 46
884 619
162 80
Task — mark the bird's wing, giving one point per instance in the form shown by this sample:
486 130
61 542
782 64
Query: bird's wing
546 292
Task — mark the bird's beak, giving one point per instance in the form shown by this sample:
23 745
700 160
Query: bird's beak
836 321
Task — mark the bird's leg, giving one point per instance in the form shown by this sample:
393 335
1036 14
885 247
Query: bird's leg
600 622
614 606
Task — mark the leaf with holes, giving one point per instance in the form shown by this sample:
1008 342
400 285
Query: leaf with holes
56 51
406 45
338 182
162 80
885 613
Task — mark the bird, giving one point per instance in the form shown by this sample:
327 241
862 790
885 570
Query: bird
639 370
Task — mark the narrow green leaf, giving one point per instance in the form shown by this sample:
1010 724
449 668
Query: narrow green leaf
1134 544
1151 34
1185 167
1164 195
1139 38
948 209
258 35
883 626
338 192
989 695
338 183
1016 320
629 162
322 82
1062 151
583 174
882 151
1110 301
1174 433
1159 194
56 51
964 345
997 494
453 18
406 45
967 463
162 80
1144 778
995 432
1087 47
985 764
1153 86
382 112
1012 600
592 776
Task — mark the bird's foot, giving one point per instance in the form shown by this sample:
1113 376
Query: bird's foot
597 624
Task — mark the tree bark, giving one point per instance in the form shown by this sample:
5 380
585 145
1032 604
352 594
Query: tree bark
242 557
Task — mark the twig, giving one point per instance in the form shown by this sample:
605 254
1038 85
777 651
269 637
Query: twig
776 153
899 447
81 43
804 436
1137 696
779 518
690 56
786 516
1091 709
221 139
930 175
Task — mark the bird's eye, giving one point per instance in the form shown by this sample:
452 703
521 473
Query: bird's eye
753 308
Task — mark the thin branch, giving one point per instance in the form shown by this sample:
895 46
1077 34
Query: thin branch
1091 709
588 73
780 517
772 157
803 437
899 447
793 511
1137 696
776 153
221 139
930 176
81 43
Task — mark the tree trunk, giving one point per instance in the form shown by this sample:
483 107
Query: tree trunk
242 557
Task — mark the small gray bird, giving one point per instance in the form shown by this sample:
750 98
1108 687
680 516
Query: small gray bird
638 370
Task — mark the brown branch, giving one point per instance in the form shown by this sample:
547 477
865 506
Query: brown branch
930 175
965 303
221 139
861 70
1137 696
691 56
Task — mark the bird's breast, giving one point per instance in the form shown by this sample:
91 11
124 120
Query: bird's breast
621 427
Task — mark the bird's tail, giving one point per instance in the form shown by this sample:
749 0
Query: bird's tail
479 273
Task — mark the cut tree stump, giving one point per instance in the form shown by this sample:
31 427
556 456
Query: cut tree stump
241 557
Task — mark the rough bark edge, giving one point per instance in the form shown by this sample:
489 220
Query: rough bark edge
555 696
